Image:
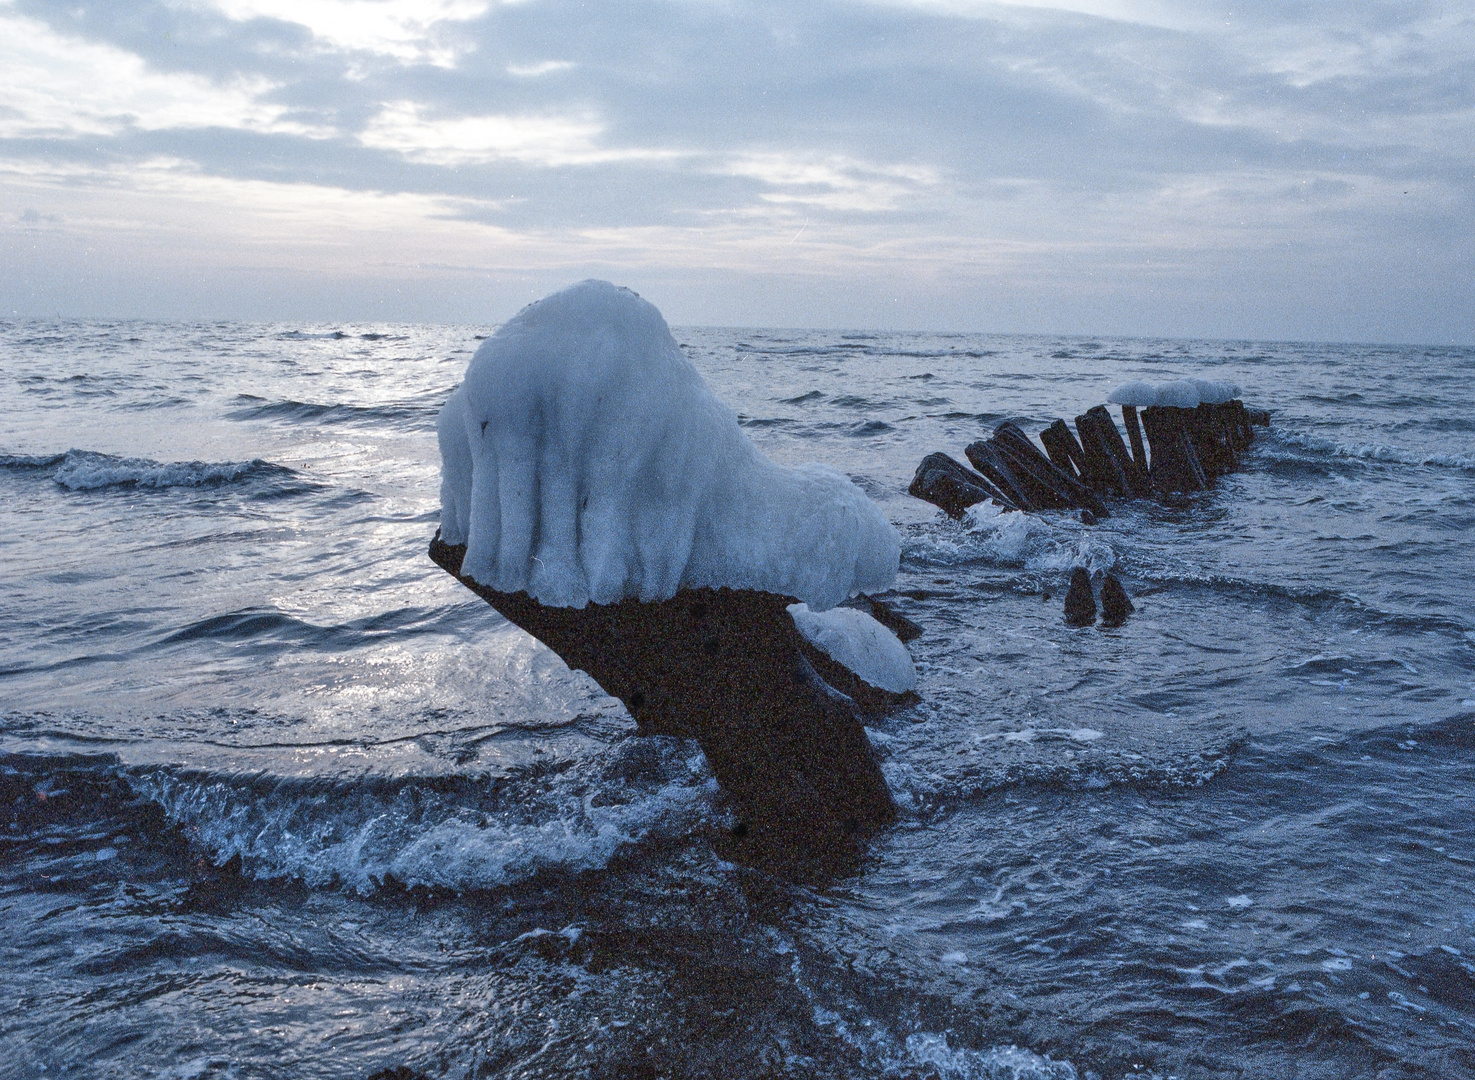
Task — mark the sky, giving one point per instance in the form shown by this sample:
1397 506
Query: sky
1263 170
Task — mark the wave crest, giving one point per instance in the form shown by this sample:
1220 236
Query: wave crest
1377 452
88 470
458 834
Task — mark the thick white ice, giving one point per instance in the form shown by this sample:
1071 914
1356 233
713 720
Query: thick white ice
859 642
1184 393
585 460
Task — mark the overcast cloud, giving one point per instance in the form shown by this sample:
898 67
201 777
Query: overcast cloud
1278 170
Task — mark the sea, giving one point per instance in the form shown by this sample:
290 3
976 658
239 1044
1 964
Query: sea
282 799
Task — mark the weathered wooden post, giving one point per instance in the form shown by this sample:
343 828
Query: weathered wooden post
986 458
1068 491
952 486
1065 453
727 668
1134 432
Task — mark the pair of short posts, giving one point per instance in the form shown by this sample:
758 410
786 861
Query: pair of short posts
1080 604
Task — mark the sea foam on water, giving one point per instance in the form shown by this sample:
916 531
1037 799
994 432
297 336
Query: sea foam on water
585 460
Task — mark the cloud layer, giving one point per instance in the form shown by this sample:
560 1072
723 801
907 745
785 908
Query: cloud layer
1265 170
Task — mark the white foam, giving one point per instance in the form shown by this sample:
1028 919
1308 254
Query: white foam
585 460
1182 393
1007 534
859 642
932 1049
885 1054
1032 541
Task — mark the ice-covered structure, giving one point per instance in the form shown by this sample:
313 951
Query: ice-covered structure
860 643
597 495
585 460
1180 393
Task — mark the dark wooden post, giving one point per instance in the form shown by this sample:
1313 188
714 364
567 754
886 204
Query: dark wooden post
952 486
726 667
1065 453
1134 432
985 457
1069 491
1111 439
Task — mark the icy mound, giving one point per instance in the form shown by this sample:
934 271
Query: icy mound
585 460
859 642
1184 393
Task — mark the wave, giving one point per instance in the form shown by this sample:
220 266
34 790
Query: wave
87 470
26 462
1050 544
981 418
454 833
928 790
266 632
254 624
250 407
1376 452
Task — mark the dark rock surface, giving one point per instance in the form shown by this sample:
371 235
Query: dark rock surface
1080 605
728 668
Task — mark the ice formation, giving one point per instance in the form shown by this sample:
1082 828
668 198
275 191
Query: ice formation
1141 394
585 460
859 642
1184 393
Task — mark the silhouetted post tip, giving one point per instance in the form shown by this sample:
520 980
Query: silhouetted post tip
1116 605
1080 605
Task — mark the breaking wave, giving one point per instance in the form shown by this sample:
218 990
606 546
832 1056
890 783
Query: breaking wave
1032 542
452 833
1376 452
87 470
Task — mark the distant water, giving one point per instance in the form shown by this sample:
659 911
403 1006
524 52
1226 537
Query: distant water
284 800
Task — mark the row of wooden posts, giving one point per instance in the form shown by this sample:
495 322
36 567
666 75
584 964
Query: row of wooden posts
1190 447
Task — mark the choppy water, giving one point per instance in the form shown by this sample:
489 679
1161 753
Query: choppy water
283 800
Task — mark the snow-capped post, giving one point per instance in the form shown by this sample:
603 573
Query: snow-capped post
597 494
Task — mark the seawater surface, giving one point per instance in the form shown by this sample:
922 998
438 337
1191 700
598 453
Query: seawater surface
281 799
